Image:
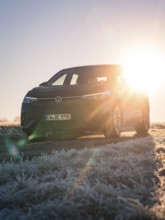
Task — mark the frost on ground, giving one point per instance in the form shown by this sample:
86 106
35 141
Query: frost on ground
117 181
13 130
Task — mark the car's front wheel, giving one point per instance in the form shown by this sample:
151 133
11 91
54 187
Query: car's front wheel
144 125
113 123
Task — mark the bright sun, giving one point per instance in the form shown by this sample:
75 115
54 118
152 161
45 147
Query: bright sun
144 69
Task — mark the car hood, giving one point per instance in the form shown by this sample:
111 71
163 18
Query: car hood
67 91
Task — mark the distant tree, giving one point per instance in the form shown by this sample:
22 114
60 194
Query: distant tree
3 119
17 119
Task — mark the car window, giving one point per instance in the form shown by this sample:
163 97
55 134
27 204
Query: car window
60 81
119 80
74 79
102 79
83 78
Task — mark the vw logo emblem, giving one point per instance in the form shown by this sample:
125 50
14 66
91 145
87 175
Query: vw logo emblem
58 99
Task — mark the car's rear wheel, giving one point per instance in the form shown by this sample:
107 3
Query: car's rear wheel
144 125
113 123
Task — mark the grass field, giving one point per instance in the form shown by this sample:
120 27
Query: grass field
115 180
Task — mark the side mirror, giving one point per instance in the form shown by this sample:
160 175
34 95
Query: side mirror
43 84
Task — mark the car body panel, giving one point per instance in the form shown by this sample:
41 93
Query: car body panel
85 104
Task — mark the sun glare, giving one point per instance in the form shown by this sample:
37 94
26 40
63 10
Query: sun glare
144 69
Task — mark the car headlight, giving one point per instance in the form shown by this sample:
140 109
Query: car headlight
28 99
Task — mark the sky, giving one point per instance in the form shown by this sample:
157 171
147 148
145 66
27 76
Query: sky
40 37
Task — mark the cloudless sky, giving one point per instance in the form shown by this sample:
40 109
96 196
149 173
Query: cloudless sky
40 37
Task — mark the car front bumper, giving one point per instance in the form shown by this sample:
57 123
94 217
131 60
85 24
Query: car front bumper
86 114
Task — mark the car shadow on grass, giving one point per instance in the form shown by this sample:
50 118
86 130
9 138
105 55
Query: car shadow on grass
19 148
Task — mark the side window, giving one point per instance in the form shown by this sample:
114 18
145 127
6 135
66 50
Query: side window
119 80
102 79
60 81
74 79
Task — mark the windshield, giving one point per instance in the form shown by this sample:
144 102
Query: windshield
82 76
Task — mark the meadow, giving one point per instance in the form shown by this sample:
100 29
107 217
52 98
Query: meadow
121 180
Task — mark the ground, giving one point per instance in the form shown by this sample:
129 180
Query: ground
88 178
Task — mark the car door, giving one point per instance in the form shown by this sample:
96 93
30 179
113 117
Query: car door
131 103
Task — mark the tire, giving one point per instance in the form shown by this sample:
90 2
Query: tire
113 123
144 125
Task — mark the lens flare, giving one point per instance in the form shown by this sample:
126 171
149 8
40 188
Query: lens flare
83 173
144 69
13 147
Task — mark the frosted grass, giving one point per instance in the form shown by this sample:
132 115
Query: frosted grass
116 181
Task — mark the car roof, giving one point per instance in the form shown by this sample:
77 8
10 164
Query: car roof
114 68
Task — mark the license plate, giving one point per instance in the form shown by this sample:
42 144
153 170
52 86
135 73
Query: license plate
58 117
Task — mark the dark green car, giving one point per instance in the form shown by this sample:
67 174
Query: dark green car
85 99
